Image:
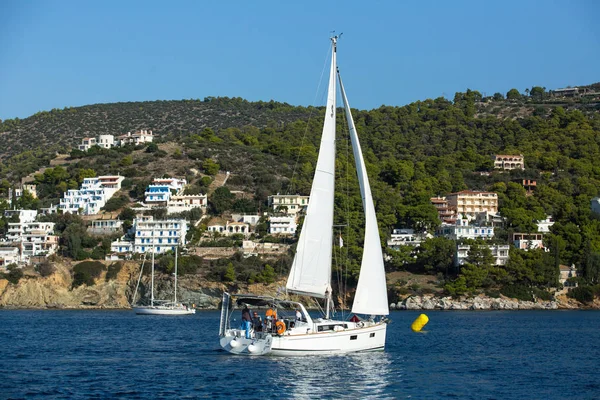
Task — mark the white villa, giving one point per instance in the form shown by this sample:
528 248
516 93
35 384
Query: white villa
290 204
9 255
462 230
138 137
105 226
159 192
179 203
499 252
527 241
92 196
228 228
404 237
87 143
24 215
108 141
283 225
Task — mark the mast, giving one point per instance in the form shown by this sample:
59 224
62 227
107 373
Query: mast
175 300
152 286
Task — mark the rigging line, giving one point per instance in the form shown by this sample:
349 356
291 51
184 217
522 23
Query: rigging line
310 114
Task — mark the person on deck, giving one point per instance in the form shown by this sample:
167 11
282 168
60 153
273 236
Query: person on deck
246 321
298 315
257 322
271 317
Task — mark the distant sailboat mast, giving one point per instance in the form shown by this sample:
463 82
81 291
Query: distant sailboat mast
175 299
152 281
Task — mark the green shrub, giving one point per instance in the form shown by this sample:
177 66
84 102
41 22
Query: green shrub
45 268
583 294
115 203
520 292
113 270
86 272
14 274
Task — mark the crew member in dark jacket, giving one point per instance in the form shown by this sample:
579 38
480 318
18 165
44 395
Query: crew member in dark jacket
246 321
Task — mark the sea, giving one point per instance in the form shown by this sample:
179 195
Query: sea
459 355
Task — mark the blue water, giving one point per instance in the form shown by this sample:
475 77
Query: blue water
462 355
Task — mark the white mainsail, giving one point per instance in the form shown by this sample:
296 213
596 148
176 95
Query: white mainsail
371 291
311 269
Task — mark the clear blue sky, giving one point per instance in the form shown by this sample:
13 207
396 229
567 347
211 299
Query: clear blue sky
55 54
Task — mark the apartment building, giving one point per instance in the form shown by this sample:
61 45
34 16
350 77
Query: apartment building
32 238
92 196
446 213
160 235
471 203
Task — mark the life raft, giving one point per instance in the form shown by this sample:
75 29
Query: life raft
280 327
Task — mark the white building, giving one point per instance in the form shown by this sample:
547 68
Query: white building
24 215
87 143
18 191
121 246
544 226
290 204
499 252
508 162
33 238
106 141
462 230
162 235
138 137
250 219
105 227
404 237
180 203
283 225
160 191
9 255
228 228
527 241
92 196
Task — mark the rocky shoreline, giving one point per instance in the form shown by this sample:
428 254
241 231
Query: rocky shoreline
430 302
57 292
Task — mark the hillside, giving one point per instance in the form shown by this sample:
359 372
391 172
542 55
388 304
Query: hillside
412 153
62 129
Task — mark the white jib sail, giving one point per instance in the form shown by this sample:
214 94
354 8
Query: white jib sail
311 269
371 291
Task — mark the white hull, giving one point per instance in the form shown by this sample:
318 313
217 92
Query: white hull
161 310
353 339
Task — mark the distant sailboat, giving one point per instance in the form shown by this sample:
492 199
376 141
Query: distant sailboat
310 275
162 307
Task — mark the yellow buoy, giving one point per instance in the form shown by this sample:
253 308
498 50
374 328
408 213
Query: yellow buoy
419 323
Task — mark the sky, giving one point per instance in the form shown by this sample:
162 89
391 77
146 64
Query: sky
64 53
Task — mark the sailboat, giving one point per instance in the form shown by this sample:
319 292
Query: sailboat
310 275
161 307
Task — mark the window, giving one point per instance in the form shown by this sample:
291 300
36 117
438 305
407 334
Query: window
353 337
372 334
